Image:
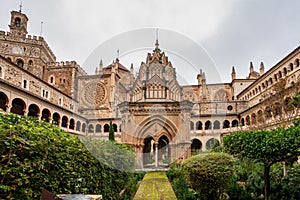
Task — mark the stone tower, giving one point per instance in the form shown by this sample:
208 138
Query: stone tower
18 24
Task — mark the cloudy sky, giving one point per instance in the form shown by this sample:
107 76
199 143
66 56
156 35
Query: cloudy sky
230 33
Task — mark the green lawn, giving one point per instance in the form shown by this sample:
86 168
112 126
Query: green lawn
155 186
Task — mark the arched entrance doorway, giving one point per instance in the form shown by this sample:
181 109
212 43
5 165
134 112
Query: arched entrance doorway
196 147
33 110
163 151
149 152
46 115
18 106
56 119
156 153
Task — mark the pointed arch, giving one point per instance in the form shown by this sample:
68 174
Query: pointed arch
169 129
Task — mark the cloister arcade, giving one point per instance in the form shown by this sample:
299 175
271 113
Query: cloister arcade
66 120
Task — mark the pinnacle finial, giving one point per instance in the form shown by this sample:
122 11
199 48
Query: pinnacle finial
233 69
156 43
262 65
118 55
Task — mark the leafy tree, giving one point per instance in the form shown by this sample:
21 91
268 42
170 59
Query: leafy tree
36 154
268 147
111 136
208 174
288 187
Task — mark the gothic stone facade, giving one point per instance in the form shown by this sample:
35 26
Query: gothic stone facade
151 111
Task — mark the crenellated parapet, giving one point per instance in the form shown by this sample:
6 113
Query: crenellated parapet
31 43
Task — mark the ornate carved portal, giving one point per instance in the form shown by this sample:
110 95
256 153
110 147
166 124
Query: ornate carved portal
156 153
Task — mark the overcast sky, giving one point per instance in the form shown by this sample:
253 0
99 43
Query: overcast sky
231 32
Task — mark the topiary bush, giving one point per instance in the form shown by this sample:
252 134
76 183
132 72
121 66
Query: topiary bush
209 174
180 187
36 155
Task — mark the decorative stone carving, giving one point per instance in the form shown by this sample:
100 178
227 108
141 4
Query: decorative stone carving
94 93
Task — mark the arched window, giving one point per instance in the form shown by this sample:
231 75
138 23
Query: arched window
18 106
291 67
25 84
78 126
52 80
83 127
208 125
284 71
106 128
248 120
98 128
216 124
196 147
33 110
199 125
30 62
226 124
64 122
260 116
243 122
46 115
297 62
234 123
20 63
115 128
72 124
17 22
91 128
56 118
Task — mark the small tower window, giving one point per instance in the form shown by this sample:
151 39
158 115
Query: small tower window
20 63
30 62
25 84
18 22
52 80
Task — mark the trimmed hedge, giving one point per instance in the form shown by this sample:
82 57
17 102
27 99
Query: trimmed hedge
37 155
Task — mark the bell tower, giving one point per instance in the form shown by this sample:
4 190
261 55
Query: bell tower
18 24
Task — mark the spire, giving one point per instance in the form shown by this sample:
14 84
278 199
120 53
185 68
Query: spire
262 68
100 66
233 74
156 43
251 67
118 55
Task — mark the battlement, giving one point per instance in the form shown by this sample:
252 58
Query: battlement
72 64
29 39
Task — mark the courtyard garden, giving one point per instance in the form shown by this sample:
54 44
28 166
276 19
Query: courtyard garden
250 165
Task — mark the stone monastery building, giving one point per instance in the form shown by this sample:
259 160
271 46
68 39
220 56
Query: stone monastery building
150 111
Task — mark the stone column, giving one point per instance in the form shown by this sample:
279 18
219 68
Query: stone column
156 155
